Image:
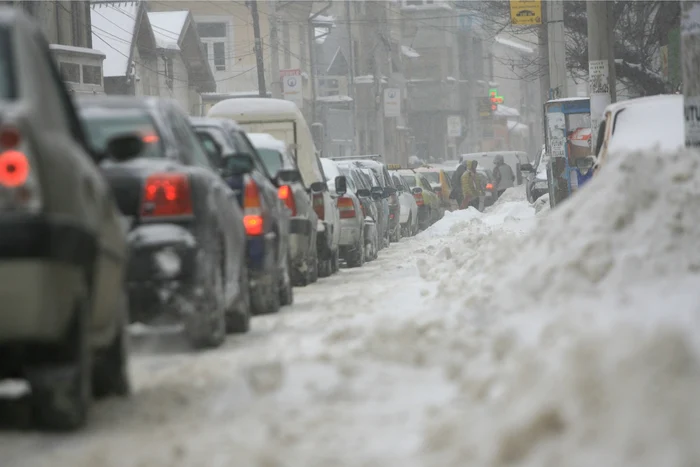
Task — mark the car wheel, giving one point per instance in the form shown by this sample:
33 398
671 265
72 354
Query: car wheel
238 316
61 393
266 298
325 268
335 262
286 290
110 374
356 258
206 325
313 268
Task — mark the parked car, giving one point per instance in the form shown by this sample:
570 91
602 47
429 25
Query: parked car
359 183
536 183
439 181
187 237
63 243
298 198
283 120
265 217
429 205
409 207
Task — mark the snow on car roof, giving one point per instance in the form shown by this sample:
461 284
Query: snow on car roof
113 28
267 141
330 168
238 108
167 27
648 122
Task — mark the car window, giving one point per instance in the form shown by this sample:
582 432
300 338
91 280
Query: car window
243 145
272 159
410 180
432 177
425 183
212 148
191 149
102 125
8 89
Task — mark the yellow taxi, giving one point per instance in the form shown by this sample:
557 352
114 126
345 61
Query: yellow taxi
430 207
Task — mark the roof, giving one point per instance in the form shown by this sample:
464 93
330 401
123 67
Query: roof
265 141
505 111
168 27
334 99
76 50
114 29
518 127
258 106
644 100
569 99
409 52
216 122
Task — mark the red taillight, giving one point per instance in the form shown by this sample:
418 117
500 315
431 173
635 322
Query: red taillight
318 206
419 198
14 168
251 196
489 186
150 139
167 194
346 207
286 195
9 138
253 225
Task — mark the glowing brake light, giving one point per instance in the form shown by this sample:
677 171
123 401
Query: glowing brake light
165 195
14 168
252 213
253 225
285 194
346 208
150 139
489 186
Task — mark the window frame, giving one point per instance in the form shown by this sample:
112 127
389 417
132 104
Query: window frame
208 42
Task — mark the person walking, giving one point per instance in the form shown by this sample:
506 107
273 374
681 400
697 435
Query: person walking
470 188
503 175
456 193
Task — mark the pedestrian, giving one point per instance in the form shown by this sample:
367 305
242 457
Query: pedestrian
503 175
456 193
470 188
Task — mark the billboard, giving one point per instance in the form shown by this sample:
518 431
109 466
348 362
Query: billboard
525 12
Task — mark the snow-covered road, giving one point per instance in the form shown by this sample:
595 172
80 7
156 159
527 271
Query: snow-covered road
505 338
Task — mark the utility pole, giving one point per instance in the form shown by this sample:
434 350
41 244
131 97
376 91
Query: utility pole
690 56
472 136
557 49
262 89
543 46
276 83
601 61
351 74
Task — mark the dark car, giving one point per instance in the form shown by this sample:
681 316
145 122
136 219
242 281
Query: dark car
298 198
265 217
186 237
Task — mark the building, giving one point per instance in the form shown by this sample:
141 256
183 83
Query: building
80 67
149 54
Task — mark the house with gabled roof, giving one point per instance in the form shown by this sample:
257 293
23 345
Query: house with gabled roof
151 54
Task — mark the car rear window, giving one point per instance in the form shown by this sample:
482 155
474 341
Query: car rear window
410 180
433 177
102 126
272 160
8 89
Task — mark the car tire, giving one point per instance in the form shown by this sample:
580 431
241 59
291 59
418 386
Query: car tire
110 374
61 393
206 326
312 272
286 290
325 267
356 258
238 316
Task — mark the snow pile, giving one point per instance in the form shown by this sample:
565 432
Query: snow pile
578 345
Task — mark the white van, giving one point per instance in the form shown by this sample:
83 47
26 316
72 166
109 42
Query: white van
283 120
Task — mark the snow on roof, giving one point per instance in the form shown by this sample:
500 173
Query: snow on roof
167 27
334 99
517 127
505 111
409 52
368 79
322 19
267 141
77 50
236 108
513 44
113 27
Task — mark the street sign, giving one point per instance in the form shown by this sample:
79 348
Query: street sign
392 102
485 107
454 126
525 12
292 89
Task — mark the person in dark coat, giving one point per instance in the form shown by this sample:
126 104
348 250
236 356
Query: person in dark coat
456 193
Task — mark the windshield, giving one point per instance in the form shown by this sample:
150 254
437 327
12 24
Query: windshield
272 160
433 177
102 128
410 180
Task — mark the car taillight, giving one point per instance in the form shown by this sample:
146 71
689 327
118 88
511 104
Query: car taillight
19 187
285 194
489 186
252 212
166 195
318 206
346 207
419 198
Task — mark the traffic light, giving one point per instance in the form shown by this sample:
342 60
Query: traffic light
495 99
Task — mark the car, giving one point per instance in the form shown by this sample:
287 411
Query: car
187 238
440 182
536 183
361 185
638 124
430 208
265 216
409 207
62 240
298 198
488 189
283 120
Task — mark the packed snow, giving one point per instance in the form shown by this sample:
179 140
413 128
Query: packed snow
563 337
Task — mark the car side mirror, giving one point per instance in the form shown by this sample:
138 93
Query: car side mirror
417 190
377 192
341 185
289 176
237 164
389 191
364 193
527 167
318 187
125 147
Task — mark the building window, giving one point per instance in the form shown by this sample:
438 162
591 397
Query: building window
214 36
70 72
92 74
